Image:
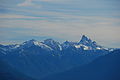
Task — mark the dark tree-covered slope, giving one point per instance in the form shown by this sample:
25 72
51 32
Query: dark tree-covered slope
104 68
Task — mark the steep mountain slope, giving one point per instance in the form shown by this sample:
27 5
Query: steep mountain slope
104 68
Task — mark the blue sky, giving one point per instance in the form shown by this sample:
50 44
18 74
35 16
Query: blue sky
61 20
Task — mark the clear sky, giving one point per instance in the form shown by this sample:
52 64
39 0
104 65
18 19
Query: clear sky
61 20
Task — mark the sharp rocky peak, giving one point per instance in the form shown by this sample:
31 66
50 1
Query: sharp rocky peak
87 42
85 39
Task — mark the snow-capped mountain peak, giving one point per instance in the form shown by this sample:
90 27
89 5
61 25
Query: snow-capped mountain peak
84 44
35 43
87 44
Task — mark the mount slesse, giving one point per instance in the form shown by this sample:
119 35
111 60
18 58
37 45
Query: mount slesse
40 59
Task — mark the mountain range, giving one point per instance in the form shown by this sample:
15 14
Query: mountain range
37 60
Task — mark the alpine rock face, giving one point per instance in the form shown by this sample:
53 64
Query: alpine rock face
39 59
88 44
53 44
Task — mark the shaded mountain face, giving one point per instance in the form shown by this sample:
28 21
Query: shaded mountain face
9 73
39 59
103 68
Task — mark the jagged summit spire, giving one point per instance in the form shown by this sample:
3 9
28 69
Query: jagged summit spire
85 39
